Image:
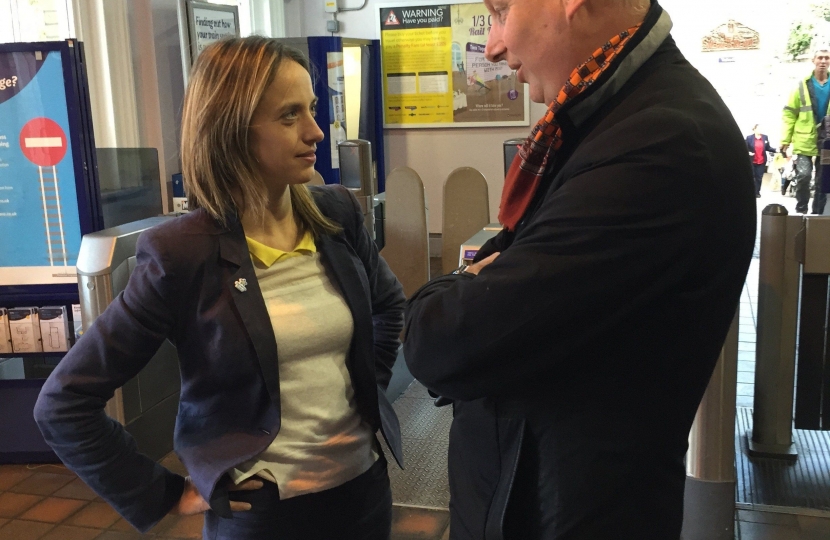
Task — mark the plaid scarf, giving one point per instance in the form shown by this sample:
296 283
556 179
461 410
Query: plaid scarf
529 165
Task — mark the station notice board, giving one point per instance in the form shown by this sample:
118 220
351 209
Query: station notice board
435 73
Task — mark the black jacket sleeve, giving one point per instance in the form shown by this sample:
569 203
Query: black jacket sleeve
70 408
618 236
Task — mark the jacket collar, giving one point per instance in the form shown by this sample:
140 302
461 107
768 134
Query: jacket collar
656 28
232 245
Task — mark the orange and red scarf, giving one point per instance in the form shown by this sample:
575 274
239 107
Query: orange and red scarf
529 165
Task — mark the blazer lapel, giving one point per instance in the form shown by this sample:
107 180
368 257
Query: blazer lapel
247 296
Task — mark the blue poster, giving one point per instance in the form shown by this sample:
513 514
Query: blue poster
39 221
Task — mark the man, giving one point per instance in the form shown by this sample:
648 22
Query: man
578 347
802 115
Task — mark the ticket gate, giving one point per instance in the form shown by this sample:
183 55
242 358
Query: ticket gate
356 174
148 403
792 365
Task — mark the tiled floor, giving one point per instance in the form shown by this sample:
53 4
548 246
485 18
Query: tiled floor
48 502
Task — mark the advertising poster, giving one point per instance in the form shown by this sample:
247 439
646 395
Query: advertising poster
39 222
337 105
435 73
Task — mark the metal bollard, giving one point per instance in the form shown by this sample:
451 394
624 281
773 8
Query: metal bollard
709 501
775 352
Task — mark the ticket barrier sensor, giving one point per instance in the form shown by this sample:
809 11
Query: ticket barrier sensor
469 249
356 174
147 404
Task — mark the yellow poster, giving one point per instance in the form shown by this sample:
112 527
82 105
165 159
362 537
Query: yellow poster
435 73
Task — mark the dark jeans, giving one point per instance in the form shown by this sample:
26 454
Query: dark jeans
360 509
759 171
803 177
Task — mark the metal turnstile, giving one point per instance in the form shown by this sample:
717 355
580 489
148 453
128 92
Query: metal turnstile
148 403
793 315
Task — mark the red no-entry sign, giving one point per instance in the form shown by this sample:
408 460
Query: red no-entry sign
43 142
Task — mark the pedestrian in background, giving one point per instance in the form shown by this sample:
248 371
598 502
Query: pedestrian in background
758 146
803 113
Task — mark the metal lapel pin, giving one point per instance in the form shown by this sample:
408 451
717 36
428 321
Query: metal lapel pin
241 284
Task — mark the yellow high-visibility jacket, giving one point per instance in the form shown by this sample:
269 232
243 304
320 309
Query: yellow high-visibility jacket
800 122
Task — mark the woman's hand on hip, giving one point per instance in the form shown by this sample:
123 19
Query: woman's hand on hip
191 502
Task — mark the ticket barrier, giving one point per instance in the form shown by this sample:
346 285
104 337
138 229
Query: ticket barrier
357 175
147 404
709 500
470 248
510 148
792 318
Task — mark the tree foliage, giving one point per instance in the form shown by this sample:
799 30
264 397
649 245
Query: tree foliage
822 10
801 37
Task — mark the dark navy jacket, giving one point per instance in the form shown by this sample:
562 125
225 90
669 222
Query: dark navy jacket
750 146
182 288
578 358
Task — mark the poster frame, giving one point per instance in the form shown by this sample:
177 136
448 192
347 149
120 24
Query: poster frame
445 125
84 165
192 42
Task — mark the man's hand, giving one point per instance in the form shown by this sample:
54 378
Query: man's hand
191 502
784 148
476 267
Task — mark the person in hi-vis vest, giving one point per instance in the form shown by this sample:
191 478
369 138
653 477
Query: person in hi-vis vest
802 115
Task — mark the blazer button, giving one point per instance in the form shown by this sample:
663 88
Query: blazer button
265 431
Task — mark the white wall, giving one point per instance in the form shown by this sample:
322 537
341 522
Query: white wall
34 20
754 86
6 22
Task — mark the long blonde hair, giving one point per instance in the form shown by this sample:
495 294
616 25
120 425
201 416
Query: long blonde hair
226 85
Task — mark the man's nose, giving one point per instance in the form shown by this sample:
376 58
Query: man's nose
495 49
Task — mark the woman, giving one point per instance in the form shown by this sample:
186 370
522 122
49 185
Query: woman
285 318
758 145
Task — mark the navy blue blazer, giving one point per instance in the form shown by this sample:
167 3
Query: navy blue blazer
182 289
750 146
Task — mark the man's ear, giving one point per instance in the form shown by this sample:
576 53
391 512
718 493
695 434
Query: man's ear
573 6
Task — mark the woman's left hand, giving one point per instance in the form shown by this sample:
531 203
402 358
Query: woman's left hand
192 502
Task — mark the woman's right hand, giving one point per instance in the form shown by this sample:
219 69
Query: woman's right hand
191 502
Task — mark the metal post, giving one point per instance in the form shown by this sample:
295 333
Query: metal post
778 279
709 502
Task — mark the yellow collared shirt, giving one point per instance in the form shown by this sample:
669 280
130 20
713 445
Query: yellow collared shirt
268 256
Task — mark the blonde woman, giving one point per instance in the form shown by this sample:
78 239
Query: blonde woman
285 318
